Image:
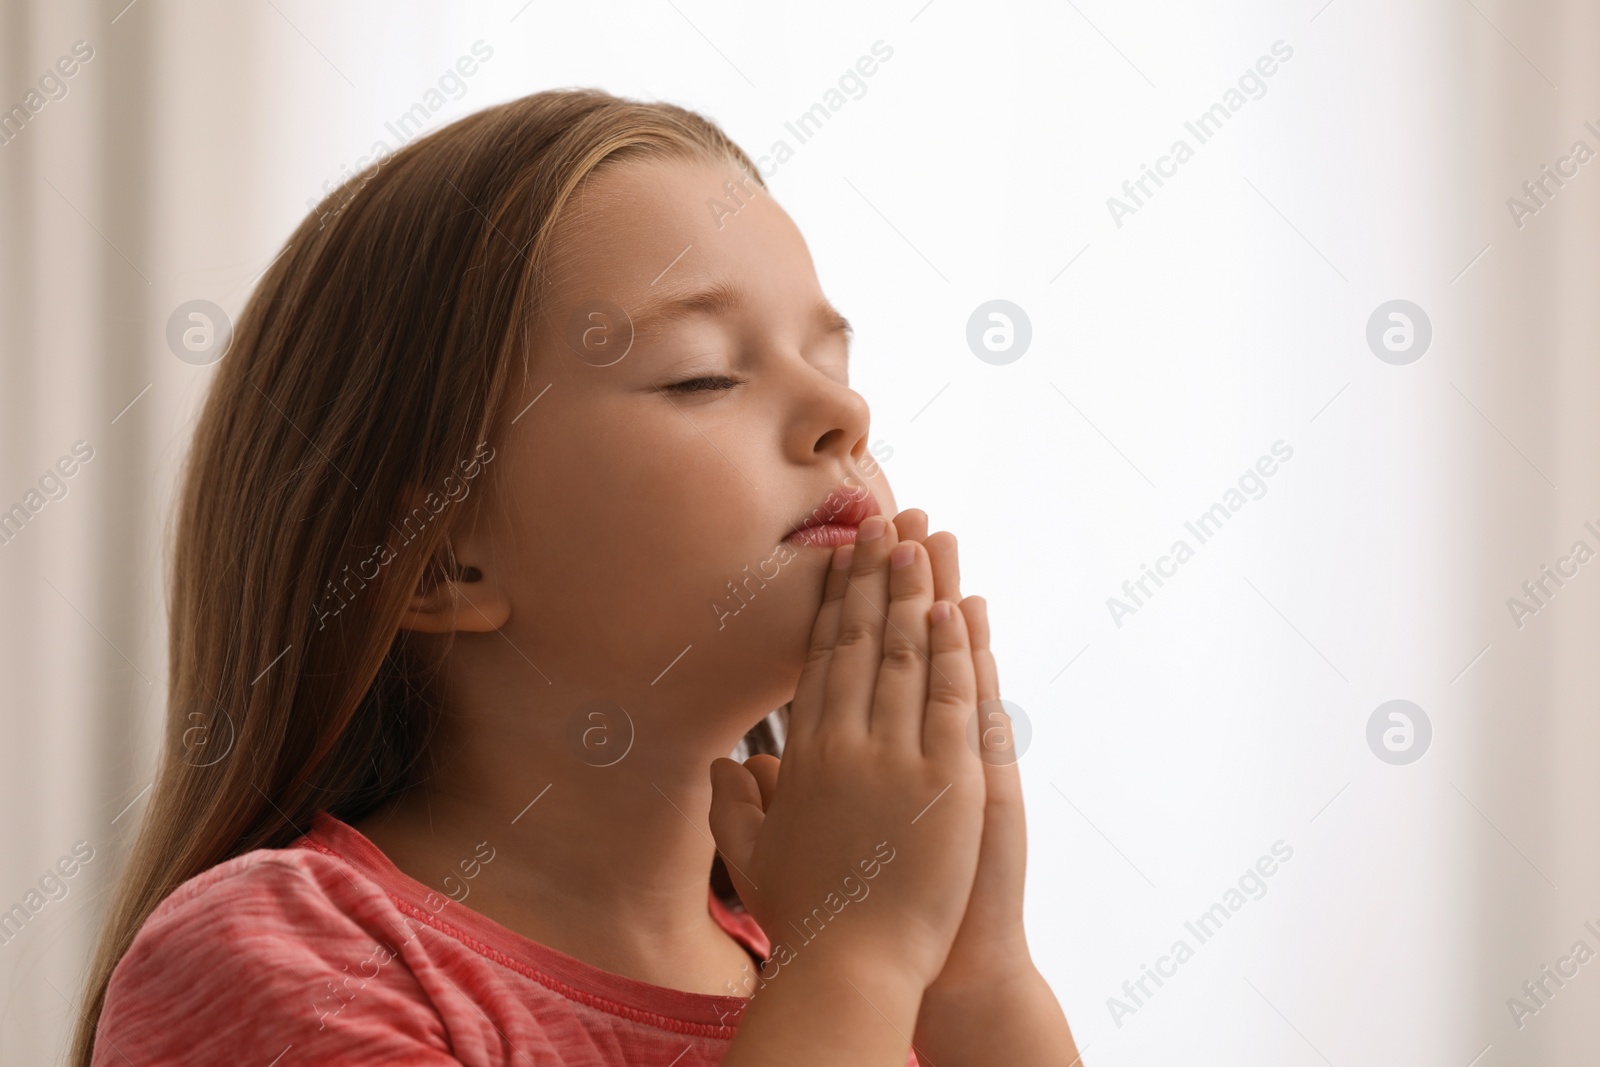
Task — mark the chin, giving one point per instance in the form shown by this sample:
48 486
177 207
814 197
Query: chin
770 635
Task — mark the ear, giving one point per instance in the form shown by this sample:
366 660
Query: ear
459 591
458 600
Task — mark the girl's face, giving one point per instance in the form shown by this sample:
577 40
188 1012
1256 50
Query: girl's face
630 500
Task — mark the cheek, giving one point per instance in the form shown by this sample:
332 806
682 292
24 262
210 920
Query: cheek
626 549
626 545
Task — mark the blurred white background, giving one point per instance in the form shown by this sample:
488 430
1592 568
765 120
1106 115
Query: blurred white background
1171 347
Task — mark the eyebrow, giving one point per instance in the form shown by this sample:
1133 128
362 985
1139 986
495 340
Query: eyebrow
719 298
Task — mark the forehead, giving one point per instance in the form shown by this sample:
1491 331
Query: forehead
641 227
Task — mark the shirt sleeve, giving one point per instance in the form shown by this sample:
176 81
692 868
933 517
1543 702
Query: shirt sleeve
274 959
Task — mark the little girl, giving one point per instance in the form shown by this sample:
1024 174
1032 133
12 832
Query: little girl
532 483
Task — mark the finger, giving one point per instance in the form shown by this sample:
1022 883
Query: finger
946 566
858 649
952 688
992 733
764 768
826 628
805 707
912 523
736 817
976 610
901 699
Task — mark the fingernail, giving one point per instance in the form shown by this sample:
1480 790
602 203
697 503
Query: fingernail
941 611
871 529
902 555
841 556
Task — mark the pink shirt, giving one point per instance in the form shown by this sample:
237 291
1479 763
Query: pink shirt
325 952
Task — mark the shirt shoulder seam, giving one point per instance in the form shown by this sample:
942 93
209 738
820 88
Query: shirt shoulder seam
207 880
550 982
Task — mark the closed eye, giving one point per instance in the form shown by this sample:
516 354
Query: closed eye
705 384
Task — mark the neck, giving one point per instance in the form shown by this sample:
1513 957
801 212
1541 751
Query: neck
609 864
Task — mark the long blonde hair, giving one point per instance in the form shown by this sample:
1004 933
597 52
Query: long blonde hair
367 366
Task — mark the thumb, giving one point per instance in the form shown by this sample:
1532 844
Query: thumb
765 768
736 818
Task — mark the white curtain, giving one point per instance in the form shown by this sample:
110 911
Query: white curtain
1176 340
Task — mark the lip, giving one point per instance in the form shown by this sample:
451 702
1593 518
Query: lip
835 519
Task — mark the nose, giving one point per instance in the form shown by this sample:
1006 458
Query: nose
828 420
